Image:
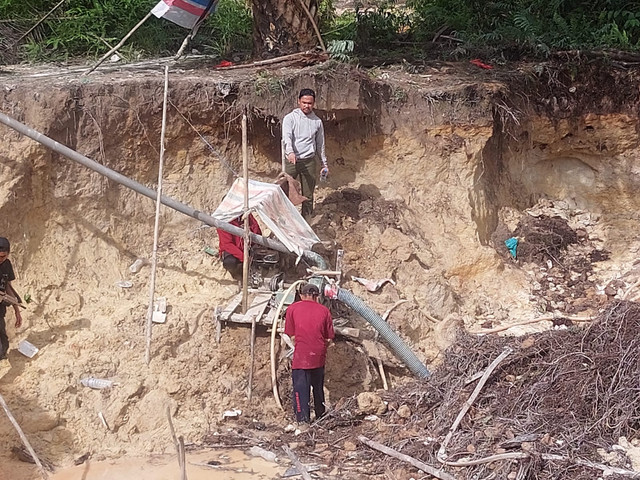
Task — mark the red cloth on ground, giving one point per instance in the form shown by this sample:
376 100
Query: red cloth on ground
311 325
233 244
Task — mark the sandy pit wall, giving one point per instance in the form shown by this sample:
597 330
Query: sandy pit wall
421 168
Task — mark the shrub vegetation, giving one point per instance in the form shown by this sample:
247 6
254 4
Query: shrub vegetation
502 29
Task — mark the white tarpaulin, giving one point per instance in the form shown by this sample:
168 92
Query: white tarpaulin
275 210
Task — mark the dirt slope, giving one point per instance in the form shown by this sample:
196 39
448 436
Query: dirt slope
430 173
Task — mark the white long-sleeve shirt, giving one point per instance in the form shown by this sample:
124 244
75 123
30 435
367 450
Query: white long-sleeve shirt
303 135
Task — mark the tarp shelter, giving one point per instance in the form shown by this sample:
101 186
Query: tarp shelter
274 209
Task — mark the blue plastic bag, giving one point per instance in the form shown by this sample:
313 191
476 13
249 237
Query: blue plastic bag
512 245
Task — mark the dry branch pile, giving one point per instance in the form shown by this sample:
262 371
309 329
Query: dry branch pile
571 394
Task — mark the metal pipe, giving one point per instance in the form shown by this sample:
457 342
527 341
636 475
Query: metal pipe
393 340
148 192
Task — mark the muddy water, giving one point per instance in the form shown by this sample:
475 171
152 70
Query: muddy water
229 464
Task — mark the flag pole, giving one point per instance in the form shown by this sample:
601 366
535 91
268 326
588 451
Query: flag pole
194 30
115 49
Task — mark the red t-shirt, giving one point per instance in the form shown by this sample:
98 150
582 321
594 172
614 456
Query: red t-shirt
311 324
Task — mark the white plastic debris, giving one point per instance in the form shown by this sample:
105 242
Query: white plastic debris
137 265
159 311
97 383
124 284
234 412
27 349
256 451
373 285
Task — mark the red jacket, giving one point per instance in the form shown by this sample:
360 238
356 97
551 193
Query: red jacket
233 244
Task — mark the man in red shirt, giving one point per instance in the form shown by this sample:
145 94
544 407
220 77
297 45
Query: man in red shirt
310 325
231 247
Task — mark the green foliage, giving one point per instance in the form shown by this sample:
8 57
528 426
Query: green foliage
341 50
530 26
494 29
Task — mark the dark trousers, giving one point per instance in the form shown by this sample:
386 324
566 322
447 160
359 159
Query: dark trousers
4 339
232 265
303 382
305 171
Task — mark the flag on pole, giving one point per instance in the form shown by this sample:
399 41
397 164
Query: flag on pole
185 13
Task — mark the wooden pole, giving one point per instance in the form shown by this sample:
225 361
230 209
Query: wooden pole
245 172
179 444
194 30
253 356
115 49
182 458
272 350
156 230
434 472
32 452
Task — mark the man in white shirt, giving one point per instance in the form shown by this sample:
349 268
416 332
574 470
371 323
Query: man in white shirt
303 141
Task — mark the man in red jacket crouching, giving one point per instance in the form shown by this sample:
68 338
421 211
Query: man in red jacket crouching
309 324
232 247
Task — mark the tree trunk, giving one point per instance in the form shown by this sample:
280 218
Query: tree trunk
281 27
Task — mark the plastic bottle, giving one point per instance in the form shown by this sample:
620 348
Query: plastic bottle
96 383
136 266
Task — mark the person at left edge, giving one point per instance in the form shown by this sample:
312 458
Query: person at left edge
7 275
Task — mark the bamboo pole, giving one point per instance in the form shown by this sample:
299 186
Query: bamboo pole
193 32
23 437
115 49
272 351
245 172
253 356
156 229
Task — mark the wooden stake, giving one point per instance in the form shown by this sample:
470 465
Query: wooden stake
245 171
385 385
115 49
179 444
26 443
272 351
182 461
434 472
156 230
252 346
